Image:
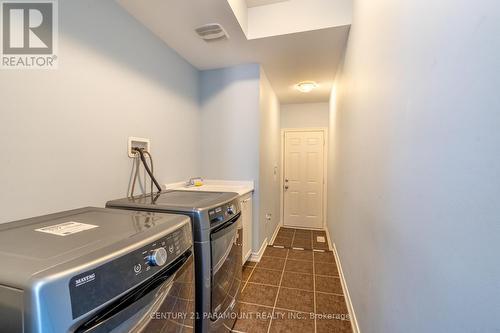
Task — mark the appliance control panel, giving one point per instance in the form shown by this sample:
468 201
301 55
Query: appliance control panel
224 212
92 288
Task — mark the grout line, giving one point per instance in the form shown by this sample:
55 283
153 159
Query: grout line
279 287
308 260
278 293
264 284
271 269
330 276
257 304
249 276
278 308
173 307
275 286
335 294
276 257
333 276
290 310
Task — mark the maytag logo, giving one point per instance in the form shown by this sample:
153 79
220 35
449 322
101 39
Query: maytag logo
84 280
29 34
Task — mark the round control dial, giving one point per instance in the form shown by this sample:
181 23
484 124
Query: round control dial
158 257
231 210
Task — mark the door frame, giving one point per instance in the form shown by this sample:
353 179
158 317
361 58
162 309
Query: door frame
325 170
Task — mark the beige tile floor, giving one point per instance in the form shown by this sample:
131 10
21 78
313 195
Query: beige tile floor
293 290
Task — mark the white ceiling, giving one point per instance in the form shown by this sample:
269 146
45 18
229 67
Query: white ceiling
286 59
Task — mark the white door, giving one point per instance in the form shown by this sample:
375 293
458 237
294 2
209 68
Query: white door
303 179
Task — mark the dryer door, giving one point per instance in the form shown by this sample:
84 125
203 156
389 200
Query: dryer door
163 304
226 270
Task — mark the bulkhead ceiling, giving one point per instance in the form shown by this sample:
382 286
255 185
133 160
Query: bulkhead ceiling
287 58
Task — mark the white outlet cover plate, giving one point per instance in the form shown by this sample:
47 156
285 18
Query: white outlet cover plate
134 142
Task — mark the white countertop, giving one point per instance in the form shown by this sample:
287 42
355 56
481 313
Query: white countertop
212 185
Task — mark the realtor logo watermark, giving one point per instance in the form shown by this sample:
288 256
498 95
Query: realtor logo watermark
29 34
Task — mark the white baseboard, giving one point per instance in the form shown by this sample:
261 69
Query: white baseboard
257 255
330 241
275 233
247 256
302 228
350 308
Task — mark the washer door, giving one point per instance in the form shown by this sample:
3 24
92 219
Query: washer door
163 304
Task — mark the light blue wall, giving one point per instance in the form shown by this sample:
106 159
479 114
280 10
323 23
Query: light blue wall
269 156
230 128
64 132
414 193
229 103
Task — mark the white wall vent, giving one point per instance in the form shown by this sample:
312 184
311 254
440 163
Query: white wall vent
212 32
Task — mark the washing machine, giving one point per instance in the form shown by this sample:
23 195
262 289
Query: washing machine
97 270
217 234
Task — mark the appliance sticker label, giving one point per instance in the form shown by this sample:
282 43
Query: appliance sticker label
67 228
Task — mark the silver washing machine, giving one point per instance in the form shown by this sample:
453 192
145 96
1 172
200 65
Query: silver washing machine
97 270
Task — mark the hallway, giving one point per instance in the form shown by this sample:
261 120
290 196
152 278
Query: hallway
292 290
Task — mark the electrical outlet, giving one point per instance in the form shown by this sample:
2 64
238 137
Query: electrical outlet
134 142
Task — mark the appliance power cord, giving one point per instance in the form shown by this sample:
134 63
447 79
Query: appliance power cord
142 154
137 165
152 168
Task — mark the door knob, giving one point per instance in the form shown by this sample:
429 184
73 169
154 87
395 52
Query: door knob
286 187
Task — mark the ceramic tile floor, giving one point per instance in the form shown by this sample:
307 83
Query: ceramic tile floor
292 290
301 239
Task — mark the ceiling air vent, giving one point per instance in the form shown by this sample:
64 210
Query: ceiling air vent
212 32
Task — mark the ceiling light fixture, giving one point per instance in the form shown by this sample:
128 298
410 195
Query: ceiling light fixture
306 86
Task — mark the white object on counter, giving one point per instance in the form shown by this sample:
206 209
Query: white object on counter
210 185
